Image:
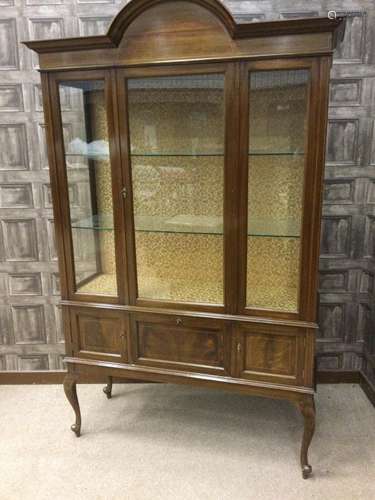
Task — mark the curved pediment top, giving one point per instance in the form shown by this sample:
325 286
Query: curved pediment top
135 8
118 27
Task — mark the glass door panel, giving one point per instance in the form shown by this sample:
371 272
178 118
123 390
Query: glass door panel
90 187
276 164
176 128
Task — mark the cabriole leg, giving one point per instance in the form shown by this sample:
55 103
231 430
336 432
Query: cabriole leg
108 388
307 408
70 388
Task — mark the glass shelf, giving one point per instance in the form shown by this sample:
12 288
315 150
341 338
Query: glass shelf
101 156
257 227
178 155
251 153
275 153
90 156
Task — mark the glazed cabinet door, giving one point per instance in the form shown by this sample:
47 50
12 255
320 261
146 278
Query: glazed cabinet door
174 139
89 186
280 187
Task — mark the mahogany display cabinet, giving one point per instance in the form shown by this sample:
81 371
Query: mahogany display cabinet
186 154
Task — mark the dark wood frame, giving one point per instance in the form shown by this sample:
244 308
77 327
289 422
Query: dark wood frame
147 39
117 180
314 165
92 180
230 169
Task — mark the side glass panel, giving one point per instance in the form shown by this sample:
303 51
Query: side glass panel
89 180
177 156
277 136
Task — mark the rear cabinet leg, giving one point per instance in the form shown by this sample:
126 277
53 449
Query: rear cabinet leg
70 388
307 408
108 388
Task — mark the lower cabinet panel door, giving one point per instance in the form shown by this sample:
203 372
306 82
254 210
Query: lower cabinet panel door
181 343
100 334
271 353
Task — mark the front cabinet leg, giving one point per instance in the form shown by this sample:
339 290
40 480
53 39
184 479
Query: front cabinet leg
108 388
307 408
70 388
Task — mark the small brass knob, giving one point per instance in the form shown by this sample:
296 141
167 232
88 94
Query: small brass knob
178 321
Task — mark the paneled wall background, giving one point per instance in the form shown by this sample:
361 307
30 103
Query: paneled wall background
30 326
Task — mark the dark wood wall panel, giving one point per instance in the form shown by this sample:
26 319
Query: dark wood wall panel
30 320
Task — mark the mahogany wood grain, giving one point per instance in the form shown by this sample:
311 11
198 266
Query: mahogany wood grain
231 181
100 336
57 201
135 9
70 388
80 366
127 203
186 343
229 346
320 100
307 408
144 25
117 186
271 354
196 313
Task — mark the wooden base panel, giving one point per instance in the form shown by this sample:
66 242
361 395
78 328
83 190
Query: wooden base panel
88 368
57 377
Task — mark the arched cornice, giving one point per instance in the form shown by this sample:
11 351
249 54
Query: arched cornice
136 8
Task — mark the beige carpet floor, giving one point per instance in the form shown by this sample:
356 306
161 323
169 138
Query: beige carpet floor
167 442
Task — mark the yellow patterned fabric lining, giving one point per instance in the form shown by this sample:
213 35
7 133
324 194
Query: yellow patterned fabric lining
273 273
185 267
189 267
275 194
98 118
180 267
103 284
178 122
277 111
